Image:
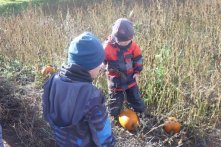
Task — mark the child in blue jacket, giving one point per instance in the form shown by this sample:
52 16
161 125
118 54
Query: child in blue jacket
73 106
1 140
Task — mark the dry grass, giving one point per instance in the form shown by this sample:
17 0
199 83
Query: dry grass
180 41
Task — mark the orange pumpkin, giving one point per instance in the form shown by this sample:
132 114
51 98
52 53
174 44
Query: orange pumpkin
48 69
171 125
128 119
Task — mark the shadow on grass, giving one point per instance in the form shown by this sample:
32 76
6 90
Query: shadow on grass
21 116
15 7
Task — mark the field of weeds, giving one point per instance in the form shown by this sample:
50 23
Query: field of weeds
181 46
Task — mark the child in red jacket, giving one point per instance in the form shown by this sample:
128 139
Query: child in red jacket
124 63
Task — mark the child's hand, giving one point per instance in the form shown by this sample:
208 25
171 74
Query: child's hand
136 75
103 68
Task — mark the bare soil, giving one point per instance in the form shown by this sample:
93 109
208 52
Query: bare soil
20 109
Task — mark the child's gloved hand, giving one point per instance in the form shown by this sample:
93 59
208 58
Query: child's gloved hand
136 75
104 66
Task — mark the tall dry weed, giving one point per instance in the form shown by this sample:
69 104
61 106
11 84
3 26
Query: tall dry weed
180 41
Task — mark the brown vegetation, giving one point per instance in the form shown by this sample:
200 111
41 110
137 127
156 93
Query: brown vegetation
180 41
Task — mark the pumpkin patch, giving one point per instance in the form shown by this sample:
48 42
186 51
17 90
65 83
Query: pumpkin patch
171 125
48 69
128 119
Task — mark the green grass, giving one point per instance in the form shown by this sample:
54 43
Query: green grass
8 7
6 2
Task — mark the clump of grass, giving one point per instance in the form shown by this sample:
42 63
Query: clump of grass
20 105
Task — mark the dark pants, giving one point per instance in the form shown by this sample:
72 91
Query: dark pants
133 98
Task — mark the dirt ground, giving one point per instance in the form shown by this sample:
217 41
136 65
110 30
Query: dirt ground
23 127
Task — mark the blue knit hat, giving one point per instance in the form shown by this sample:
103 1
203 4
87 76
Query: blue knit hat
86 50
122 30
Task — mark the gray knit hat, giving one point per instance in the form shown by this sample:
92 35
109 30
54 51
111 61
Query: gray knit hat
122 30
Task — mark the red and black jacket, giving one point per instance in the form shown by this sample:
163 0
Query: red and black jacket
122 63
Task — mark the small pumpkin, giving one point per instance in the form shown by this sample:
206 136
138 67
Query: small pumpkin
128 119
171 125
48 69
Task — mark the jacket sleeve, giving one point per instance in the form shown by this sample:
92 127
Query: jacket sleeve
45 97
137 59
105 52
100 127
1 140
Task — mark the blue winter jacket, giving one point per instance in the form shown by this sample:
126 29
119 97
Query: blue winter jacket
1 140
75 109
